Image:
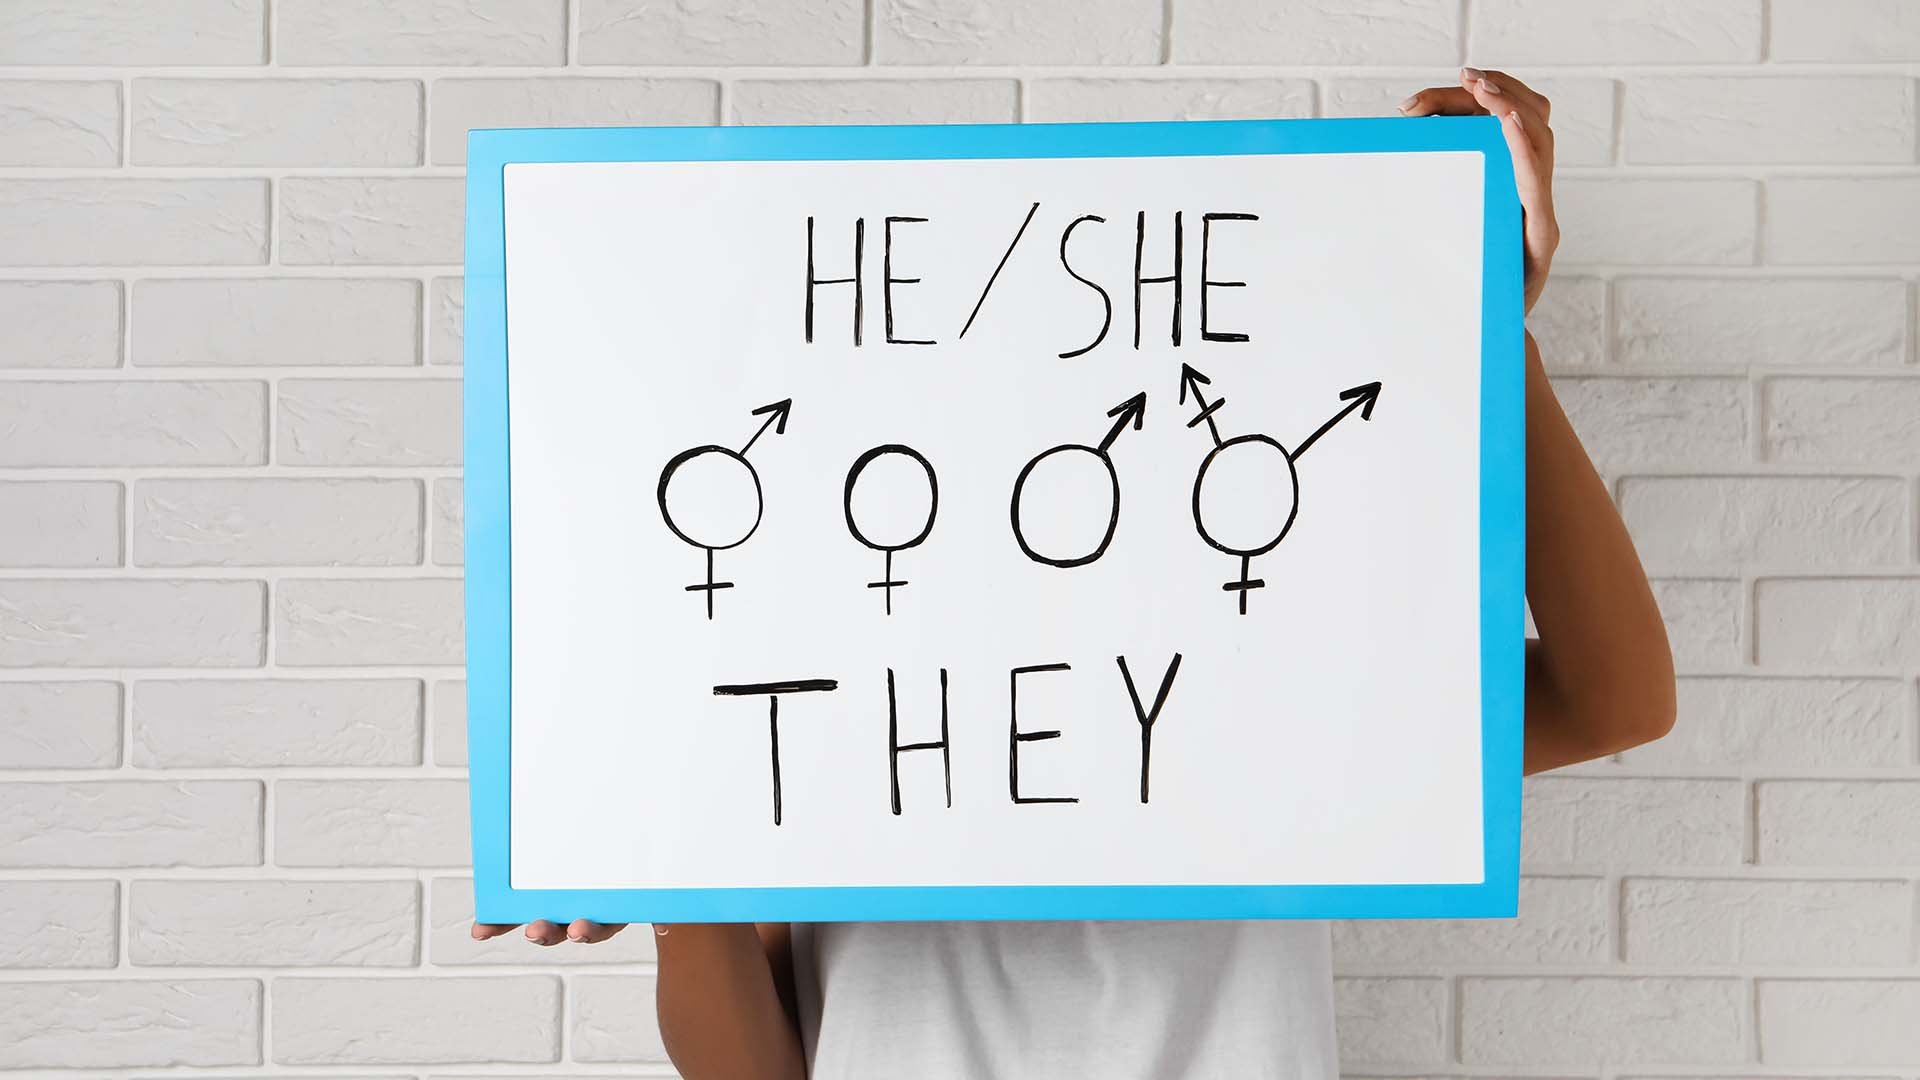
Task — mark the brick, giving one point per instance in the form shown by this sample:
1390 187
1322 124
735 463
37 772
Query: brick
449 539
1390 1021
1517 33
387 621
59 123
1593 822
60 324
451 942
133 423
1868 823
1064 100
371 221
1570 323
1844 30
1820 923
446 320
338 122
1843 421
1657 222
1829 1022
1703 617
1585 1021
276 522
1666 422
450 724
273 322
370 422
1582 109
1745 322
129 222
513 1020
875 101
60 524
131 823
147 623
280 923
402 823
59 924
423 32
113 33
1846 623
1317 32
730 32
463 104
1015 32
1562 921
1851 220
1695 522
613 1019
1772 723
214 723
60 725
107 1024
1719 120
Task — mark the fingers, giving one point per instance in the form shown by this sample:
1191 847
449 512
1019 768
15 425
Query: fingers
1514 88
592 933
1442 101
483 931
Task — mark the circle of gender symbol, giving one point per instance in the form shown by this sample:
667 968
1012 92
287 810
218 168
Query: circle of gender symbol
860 464
776 417
1133 412
718 544
1290 497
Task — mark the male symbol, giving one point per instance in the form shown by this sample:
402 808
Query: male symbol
1131 411
776 417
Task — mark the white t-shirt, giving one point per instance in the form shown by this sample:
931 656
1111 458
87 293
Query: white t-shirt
1105 1000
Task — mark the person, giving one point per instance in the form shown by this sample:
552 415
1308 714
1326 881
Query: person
1177 999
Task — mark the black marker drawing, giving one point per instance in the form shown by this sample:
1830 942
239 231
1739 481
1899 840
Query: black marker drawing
1131 411
860 464
895 748
1148 717
776 417
773 690
1015 736
1360 397
1002 265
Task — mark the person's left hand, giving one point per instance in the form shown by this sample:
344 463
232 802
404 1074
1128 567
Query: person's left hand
1523 114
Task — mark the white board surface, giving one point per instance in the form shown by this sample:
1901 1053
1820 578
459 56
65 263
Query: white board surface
1330 734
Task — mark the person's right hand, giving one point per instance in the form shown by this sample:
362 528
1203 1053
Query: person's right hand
542 932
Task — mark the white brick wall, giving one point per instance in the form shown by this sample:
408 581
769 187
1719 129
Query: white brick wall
232 747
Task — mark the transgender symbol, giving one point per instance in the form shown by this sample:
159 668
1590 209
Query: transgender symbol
718 465
1245 454
880 453
1131 411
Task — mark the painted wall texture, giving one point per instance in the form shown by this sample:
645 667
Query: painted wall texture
232 811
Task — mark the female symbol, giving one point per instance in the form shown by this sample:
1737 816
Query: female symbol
860 464
1131 411
715 474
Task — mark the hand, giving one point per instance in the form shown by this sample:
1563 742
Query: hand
542 932
1523 116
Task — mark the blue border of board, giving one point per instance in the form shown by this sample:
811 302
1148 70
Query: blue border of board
1502 532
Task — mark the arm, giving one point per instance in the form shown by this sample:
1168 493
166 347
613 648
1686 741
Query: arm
1600 676
724 995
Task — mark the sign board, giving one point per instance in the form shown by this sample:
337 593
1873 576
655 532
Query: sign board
1052 521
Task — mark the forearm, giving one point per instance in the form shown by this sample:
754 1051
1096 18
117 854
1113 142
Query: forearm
1600 677
719 1005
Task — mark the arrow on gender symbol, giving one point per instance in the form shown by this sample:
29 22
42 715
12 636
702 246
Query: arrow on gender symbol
776 416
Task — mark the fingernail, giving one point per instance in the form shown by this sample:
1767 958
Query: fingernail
1516 119
1409 103
1473 74
1489 86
